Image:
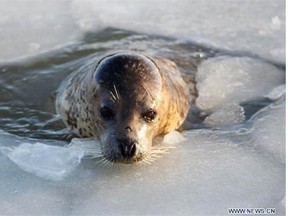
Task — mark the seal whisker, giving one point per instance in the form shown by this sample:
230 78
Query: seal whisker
143 161
92 156
148 93
129 78
146 160
155 153
149 160
143 98
104 162
108 163
116 92
112 162
100 162
113 96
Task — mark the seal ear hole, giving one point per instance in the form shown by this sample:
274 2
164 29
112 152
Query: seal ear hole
149 115
106 113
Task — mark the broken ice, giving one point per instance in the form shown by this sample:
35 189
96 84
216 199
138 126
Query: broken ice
55 162
228 115
223 80
269 129
173 137
90 146
277 92
45 161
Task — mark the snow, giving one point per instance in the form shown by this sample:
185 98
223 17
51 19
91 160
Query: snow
210 170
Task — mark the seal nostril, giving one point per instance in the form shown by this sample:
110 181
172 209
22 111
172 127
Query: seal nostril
127 149
128 128
133 149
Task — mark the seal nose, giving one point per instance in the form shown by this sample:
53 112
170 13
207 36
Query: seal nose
127 148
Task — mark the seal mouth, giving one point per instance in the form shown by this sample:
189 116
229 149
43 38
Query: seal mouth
123 160
150 157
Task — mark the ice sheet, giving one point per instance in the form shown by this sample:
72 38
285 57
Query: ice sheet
56 162
24 24
211 171
256 27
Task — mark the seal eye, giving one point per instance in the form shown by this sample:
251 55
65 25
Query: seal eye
106 113
149 115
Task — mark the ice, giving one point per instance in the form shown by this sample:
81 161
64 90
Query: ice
260 25
269 130
223 80
56 162
230 114
173 137
24 24
90 146
212 169
277 92
45 161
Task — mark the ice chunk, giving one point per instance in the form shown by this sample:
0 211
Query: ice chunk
173 137
283 201
224 80
227 115
268 131
90 146
45 161
276 23
277 92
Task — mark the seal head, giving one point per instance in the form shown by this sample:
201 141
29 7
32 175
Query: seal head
129 91
128 99
131 105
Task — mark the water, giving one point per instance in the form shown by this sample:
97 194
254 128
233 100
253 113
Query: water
231 156
28 114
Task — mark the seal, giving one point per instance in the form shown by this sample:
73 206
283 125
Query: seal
124 100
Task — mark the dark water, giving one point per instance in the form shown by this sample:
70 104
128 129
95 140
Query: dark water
28 86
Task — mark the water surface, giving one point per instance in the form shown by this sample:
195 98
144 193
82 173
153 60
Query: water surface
28 86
